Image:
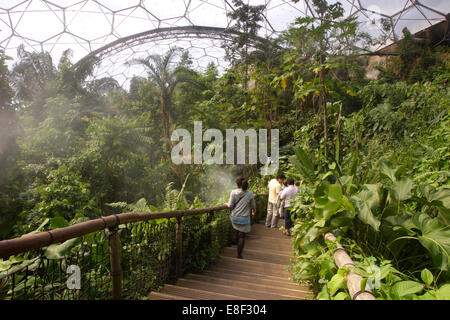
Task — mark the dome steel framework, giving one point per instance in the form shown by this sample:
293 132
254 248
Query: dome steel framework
119 30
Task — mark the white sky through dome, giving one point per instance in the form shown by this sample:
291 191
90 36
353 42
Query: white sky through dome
86 25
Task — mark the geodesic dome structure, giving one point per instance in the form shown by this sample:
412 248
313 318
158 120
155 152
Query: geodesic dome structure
119 30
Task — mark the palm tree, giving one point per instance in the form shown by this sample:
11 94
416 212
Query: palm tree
166 79
33 73
30 76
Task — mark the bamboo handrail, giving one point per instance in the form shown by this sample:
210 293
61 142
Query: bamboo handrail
353 279
42 239
39 240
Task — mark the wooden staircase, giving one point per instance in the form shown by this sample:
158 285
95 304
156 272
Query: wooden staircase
261 275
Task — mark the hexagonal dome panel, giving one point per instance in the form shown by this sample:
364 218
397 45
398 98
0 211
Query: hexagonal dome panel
119 30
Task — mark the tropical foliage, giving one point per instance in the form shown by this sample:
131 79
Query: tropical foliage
372 156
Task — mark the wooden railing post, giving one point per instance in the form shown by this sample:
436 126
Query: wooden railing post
179 263
114 257
209 220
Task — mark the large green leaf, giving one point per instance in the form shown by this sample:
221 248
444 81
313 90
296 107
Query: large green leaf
334 192
343 219
440 196
367 203
391 173
337 282
439 199
330 204
15 264
443 293
392 217
401 189
302 162
5 265
429 295
404 288
58 251
327 268
326 209
58 222
311 235
341 296
426 276
323 294
435 237
444 214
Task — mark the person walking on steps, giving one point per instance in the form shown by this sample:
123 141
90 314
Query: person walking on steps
241 203
287 194
280 203
272 209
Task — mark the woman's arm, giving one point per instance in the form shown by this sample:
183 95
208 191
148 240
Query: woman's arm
231 202
253 206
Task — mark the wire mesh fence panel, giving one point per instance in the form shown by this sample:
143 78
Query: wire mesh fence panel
75 269
80 268
195 243
221 228
147 250
203 238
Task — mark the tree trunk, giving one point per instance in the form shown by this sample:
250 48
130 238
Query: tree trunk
267 111
323 103
338 133
165 123
315 102
356 139
302 109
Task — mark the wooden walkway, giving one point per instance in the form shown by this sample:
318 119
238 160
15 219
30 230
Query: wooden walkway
261 275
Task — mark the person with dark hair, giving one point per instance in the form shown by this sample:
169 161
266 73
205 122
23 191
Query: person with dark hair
288 194
241 203
272 209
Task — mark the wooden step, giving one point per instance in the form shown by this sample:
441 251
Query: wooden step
268 232
253 266
233 289
284 239
251 278
273 237
254 274
258 255
249 285
269 244
262 226
261 275
249 244
198 294
164 296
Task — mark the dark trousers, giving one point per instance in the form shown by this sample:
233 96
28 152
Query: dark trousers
240 239
287 218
